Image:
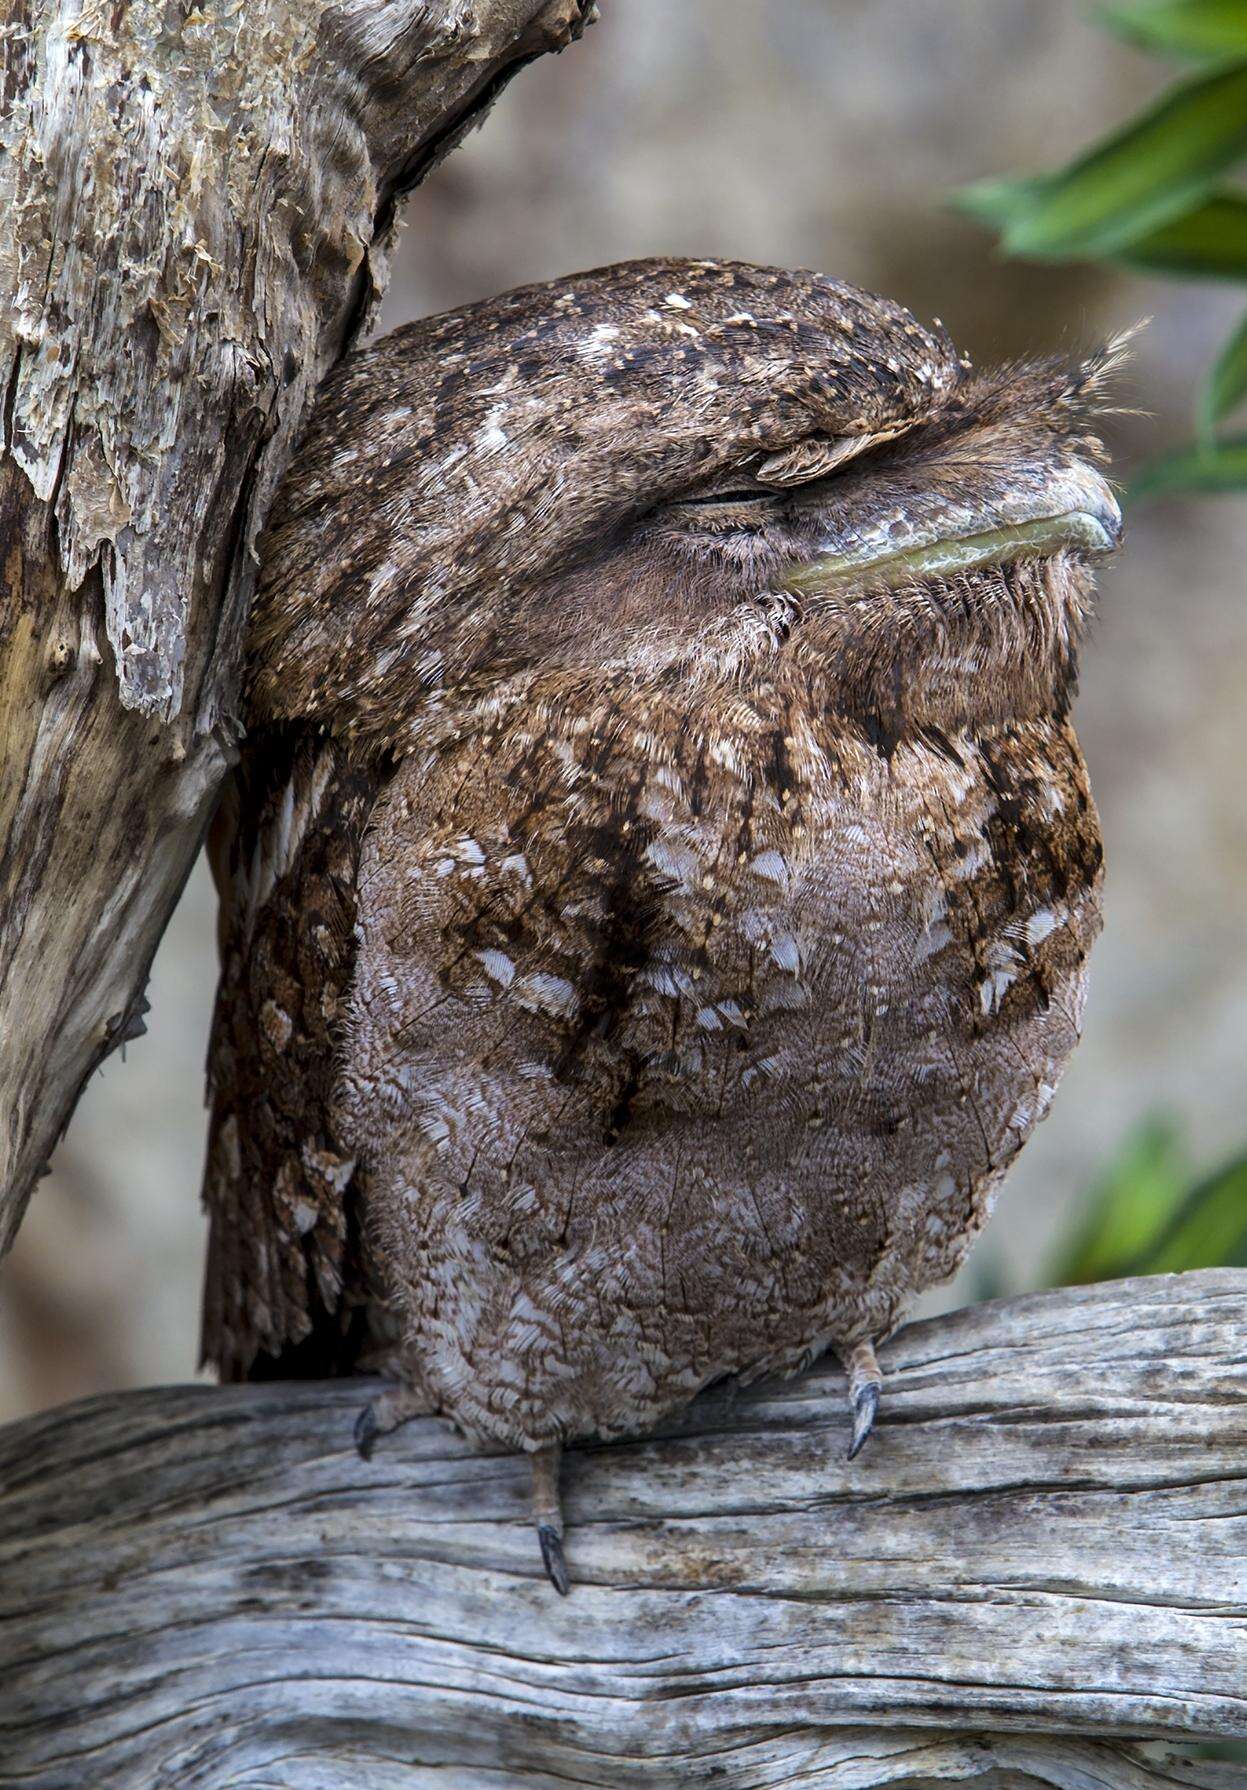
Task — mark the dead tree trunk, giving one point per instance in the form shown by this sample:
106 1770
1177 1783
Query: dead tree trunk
1032 1580
196 202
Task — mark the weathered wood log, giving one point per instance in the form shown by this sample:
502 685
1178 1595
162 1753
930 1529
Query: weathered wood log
196 204
1039 1563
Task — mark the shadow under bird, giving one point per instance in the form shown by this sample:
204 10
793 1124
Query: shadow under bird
658 888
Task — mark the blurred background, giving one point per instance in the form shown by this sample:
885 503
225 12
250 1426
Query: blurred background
828 134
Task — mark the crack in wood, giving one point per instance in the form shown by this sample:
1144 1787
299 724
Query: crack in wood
204 1586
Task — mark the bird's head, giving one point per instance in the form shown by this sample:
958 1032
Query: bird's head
685 471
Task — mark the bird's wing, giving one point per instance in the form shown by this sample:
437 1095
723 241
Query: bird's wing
283 1271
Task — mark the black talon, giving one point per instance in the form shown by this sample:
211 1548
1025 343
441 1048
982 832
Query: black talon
865 1410
367 1429
553 1556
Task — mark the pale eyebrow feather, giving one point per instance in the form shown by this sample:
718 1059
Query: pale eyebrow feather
817 456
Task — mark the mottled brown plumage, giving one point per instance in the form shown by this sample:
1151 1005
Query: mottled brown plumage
659 895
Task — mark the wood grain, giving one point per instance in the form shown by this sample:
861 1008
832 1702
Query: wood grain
1039 1564
198 203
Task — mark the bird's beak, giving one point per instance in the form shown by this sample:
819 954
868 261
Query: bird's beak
1071 508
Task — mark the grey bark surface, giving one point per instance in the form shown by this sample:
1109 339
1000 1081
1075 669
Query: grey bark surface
1034 1577
197 204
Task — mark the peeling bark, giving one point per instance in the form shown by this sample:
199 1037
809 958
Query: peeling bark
198 200
1031 1580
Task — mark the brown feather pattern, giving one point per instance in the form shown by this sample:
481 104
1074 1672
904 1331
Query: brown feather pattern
654 968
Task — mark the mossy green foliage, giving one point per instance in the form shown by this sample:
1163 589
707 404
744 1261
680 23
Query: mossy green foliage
1149 1214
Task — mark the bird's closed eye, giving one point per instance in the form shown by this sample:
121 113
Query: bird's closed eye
707 499
733 503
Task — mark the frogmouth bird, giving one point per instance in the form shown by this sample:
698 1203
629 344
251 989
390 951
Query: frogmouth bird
657 894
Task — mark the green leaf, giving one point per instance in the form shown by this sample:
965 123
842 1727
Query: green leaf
1182 27
1145 1217
1204 468
1208 242
1130 183
1129 1209
1225 386
995 202
1210 1228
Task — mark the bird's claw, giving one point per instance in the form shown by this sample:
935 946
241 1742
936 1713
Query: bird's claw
865 1383
865 1410
390 1409
548 1515
554 1558
367 1429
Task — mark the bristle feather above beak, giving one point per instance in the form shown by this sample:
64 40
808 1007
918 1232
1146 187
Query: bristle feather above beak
1088 388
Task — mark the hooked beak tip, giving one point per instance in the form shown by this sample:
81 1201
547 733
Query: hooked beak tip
1107 515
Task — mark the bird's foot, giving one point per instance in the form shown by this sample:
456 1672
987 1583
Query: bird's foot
548 1516
395 1406
865 1385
